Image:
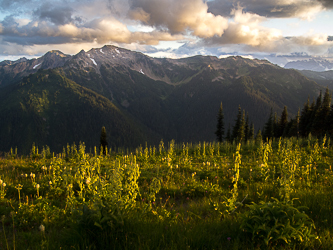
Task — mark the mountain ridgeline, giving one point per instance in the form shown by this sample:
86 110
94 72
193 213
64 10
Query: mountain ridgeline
59 99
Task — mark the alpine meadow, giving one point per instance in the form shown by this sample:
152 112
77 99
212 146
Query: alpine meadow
113 149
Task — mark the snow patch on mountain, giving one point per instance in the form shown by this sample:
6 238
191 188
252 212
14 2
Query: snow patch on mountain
141 72
93 61
37 65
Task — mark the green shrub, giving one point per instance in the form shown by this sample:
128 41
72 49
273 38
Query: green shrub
277 224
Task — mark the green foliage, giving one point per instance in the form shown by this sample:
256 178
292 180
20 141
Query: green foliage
277 224
177 196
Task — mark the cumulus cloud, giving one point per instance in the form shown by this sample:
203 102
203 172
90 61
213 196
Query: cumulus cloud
246 29
304 9
11 4
179 16
100 30
327 3
32 25
169 21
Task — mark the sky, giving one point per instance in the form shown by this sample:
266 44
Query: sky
278 30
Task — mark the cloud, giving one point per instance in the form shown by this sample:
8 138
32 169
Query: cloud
327 3
58 15
246 29
179 17
11 4
304 9
205 26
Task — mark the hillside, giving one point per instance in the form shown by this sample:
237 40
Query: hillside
324 78
49 109
138 98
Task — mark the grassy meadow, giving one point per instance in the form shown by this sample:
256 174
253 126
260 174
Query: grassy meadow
274 195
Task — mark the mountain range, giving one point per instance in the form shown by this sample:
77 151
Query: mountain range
58 99
312 64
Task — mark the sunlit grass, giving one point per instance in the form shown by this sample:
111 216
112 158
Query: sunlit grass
171 197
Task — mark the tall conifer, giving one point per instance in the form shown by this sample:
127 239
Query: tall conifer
269 127
103 140
283 121
247 127
238 130
220 125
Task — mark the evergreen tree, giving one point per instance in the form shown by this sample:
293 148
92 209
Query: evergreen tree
259 137
238 130
269 127
305 119
325 112
276 125
237 124
330 121
283 121
298 117
310 126
247 128
251 132
220 125
103 140
315 118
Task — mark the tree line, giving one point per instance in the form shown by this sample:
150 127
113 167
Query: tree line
315 118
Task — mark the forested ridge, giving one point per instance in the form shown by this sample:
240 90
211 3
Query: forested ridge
140 99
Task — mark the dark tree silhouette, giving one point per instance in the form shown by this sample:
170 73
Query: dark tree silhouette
238 130
220 125
283 121
103 140
269 127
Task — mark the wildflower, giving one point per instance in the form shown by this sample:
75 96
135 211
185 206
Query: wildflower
26 175
42 228
50 182
1 181
4 184
229 238
176 166
88 180
37 186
